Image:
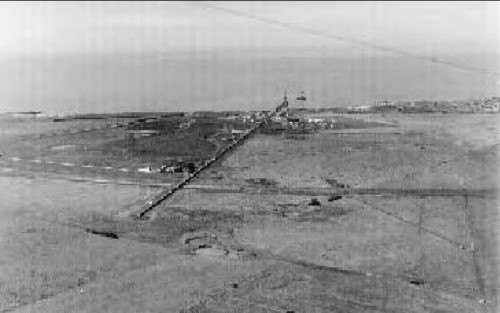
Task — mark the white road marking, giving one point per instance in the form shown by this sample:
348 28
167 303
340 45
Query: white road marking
67 164
15 159
101 181
7 169
87 166
145 170
35 161
50 162
124 169
107 167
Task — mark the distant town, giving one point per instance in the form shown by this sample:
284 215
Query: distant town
485 105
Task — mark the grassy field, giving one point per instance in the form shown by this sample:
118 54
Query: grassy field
97 148
361 253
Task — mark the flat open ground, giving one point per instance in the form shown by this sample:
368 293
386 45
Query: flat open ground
105 149
71 246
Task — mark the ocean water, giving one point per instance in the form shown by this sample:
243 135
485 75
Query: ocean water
229 81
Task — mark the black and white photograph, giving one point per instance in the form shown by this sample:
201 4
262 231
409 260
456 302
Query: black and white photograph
249 156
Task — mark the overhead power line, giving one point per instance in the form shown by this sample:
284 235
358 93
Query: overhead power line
344 39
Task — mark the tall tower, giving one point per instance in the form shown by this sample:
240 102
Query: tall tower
284 106
282 109
301 100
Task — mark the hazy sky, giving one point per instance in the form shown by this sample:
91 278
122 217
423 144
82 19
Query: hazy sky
426 27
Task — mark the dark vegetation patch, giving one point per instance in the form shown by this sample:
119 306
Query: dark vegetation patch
102 233
416 281
336 184
334 198
173 114
196 142
273 128
146 139
314 202
189 144
261 181
89 116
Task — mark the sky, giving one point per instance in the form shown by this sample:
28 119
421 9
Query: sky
77 65
124 27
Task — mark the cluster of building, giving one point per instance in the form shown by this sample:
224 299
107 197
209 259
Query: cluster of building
487 105
296 122
247 117
173 166
188 124
285 120
180 166
490 105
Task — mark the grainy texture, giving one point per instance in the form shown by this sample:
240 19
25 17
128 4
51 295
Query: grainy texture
72 246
